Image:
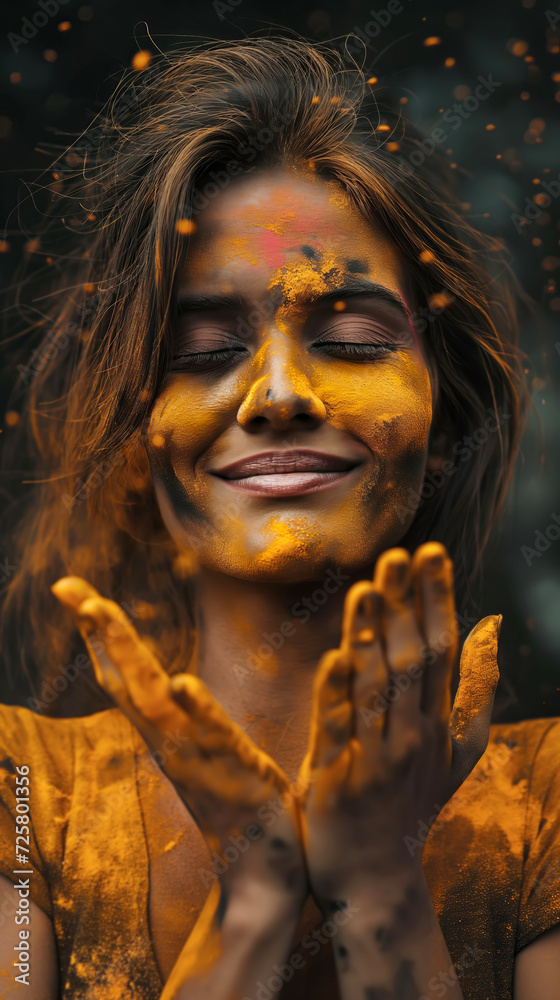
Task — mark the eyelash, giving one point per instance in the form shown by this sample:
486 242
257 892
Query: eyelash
219 359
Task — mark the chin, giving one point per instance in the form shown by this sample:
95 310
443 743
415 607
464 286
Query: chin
282 564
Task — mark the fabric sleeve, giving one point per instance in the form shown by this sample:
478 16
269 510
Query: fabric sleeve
540 891
20 747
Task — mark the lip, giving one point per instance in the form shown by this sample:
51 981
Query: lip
286 473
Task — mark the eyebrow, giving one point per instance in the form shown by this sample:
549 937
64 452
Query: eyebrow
350 289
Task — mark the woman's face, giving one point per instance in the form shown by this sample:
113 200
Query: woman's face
295 418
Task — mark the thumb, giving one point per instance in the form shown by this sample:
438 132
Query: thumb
474 701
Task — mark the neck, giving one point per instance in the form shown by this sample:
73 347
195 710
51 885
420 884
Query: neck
258 651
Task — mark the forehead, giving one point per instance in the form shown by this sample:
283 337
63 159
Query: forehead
286 225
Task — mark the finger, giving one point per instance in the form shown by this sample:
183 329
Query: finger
403 644
73 591
361 640
432 574
129 668
332 712
474 701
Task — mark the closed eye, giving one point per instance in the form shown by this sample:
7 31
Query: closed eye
203 361
354 352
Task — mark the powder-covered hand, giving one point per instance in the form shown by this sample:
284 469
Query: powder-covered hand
385 746
219 773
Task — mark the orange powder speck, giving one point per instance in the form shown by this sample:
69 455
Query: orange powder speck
32 245
89 288
4 246
383 128
449 62
541 199
432 40
315 100
440 300
372 81
525 95
556 77
489 128
158 441
12 418
15 77
172 843
335 100
427 256
141 59
339 306
537 125
65 26
393 147
403 100
51 55
185 226
518 48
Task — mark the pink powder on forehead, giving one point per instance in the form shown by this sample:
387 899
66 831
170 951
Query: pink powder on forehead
272 247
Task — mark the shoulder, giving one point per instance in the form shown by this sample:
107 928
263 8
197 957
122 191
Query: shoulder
53 746
534 748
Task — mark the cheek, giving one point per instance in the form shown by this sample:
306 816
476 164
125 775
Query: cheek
184 422
388 407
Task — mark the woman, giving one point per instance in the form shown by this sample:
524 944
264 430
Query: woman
291 345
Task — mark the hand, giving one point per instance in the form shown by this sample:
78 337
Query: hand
384 751
218 772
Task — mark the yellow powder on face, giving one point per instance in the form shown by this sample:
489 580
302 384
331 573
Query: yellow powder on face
303 279
288 539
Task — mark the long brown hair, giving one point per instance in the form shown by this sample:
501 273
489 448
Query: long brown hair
170 138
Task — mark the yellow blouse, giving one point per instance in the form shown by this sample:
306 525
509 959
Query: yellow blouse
492 858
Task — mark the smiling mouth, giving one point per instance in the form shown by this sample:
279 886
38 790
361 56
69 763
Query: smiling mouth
286 473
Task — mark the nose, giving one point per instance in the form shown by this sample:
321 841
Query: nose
280 396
